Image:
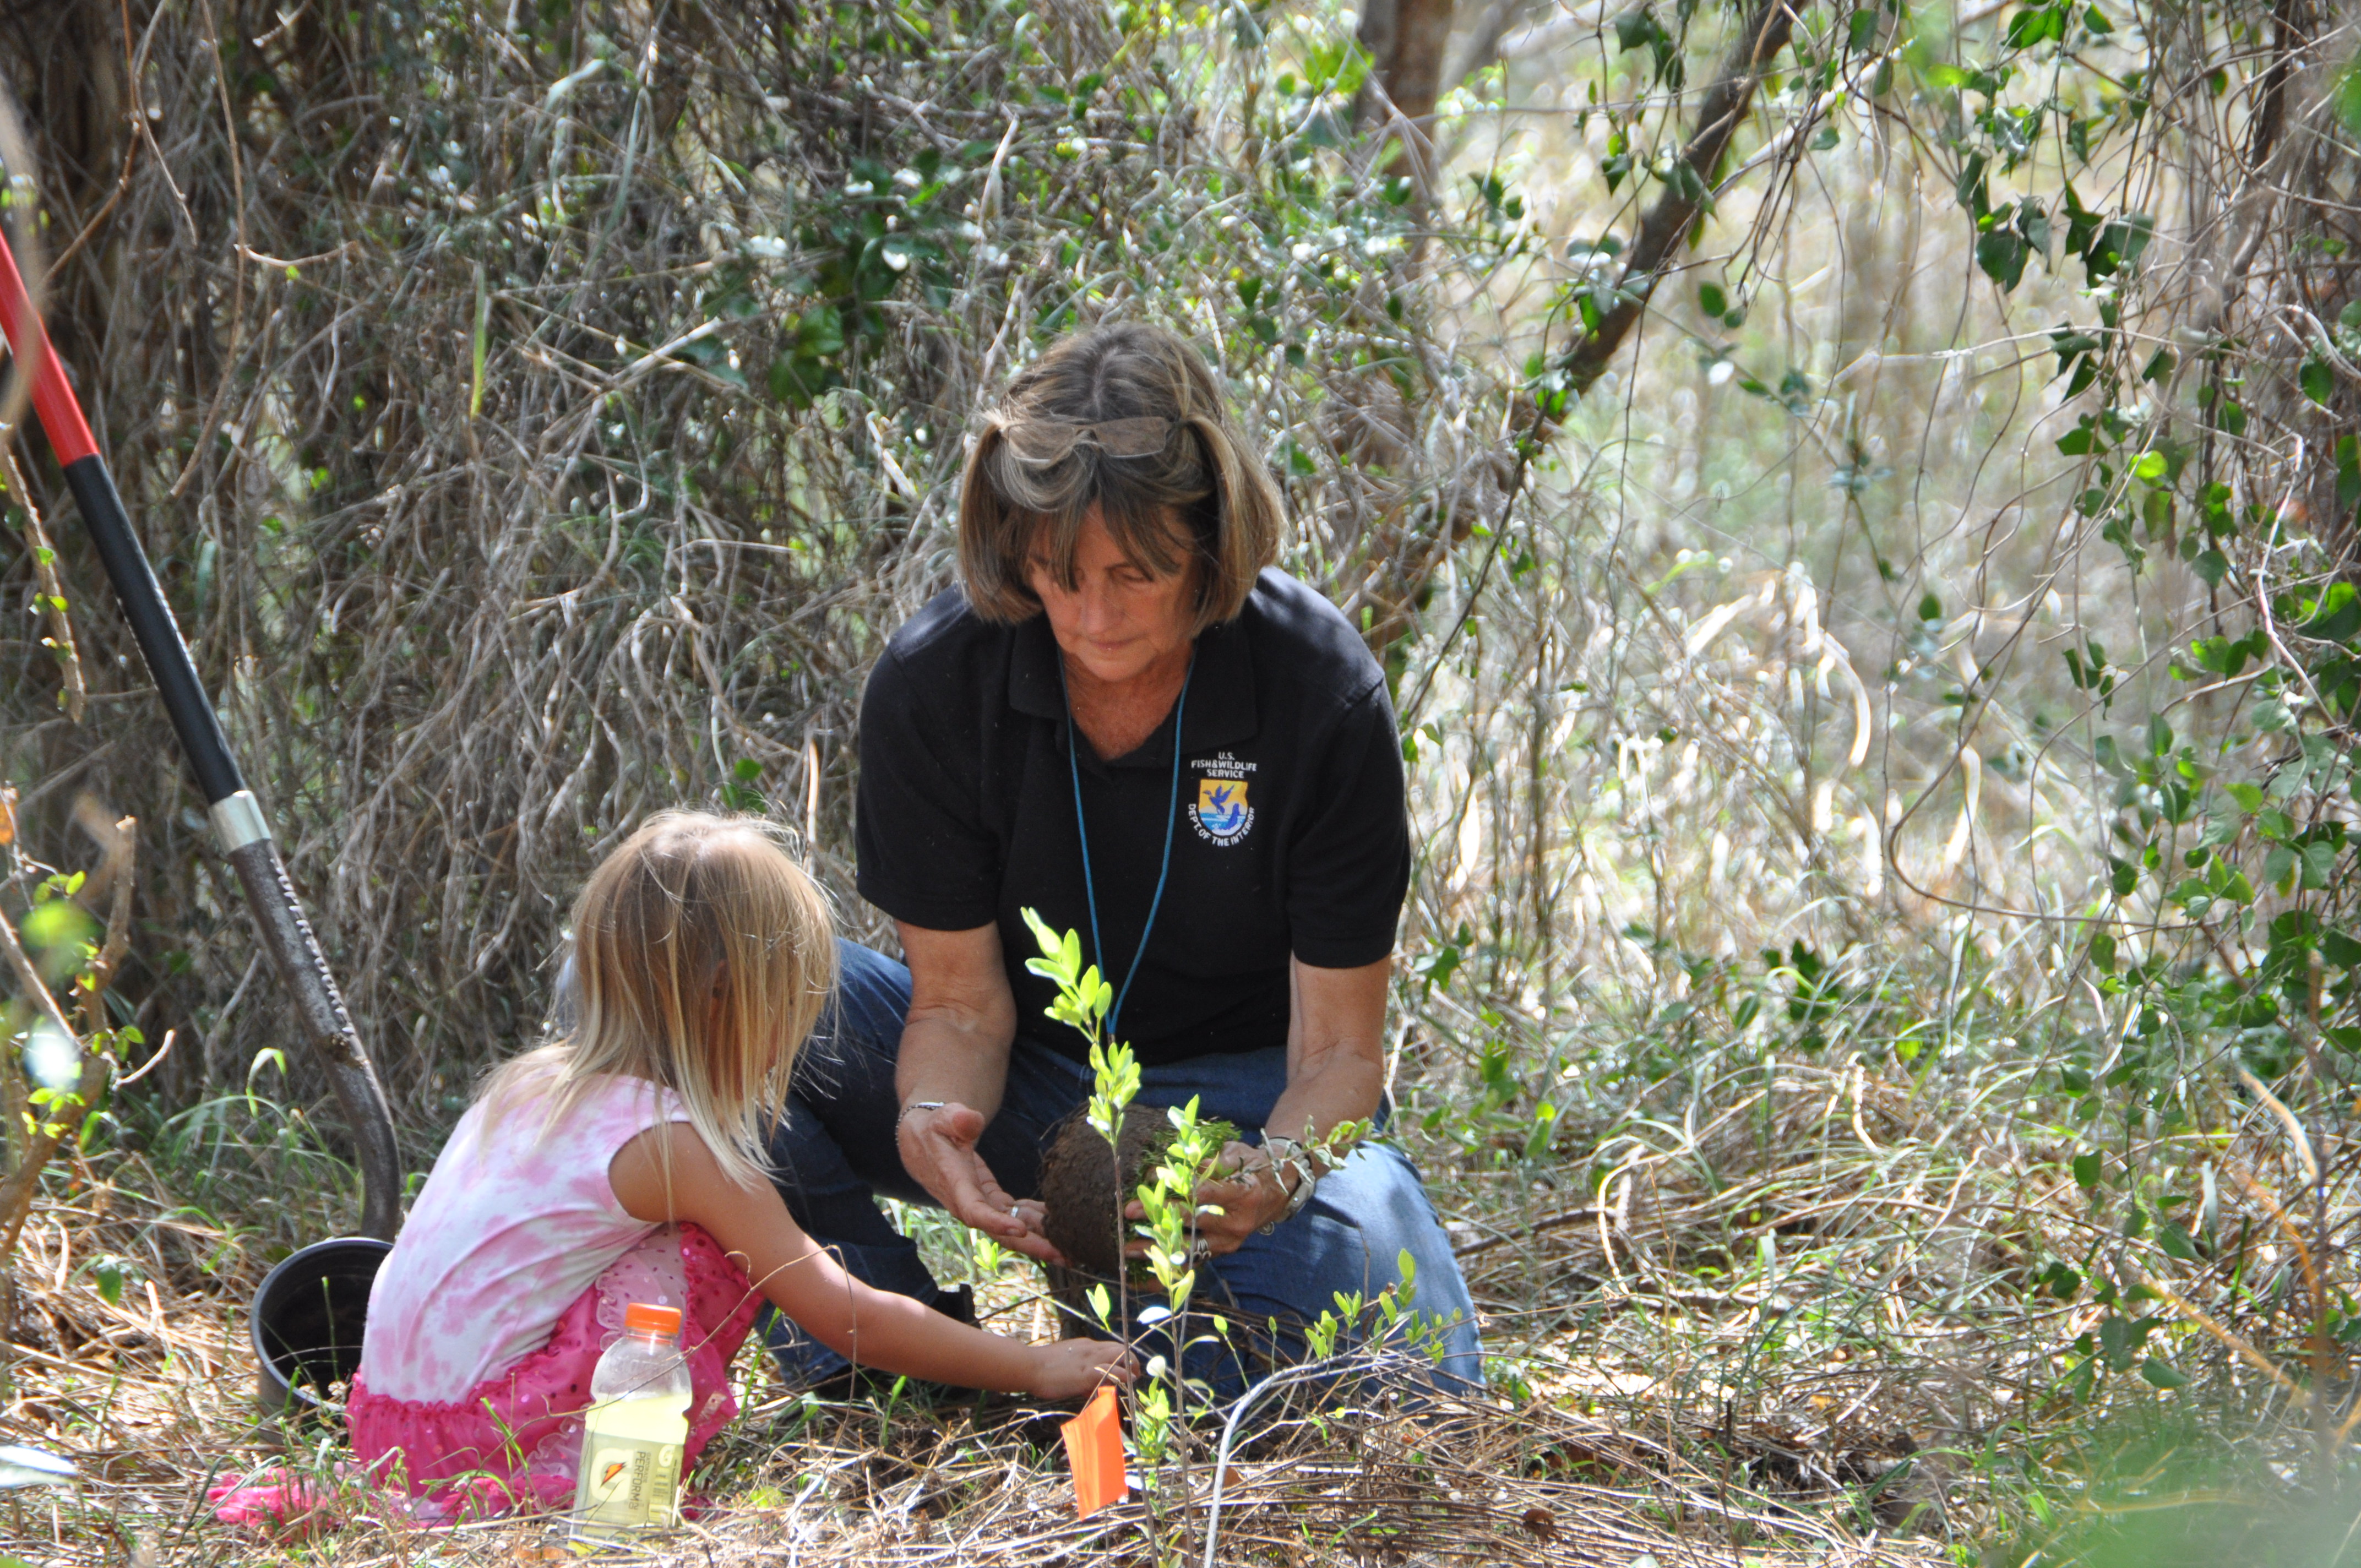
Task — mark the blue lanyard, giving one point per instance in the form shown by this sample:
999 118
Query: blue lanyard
1171 811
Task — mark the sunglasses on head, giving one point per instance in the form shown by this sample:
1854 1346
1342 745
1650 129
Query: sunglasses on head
1045 441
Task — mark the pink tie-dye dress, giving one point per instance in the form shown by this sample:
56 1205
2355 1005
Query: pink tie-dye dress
507 1281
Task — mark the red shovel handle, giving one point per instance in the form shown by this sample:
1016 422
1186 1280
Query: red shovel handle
53 397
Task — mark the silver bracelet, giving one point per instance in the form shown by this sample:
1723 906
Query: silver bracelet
1278 1152
917 1105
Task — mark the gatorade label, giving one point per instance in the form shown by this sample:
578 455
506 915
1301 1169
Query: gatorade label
627 1484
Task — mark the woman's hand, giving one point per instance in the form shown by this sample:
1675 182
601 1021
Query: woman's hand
955 1050
1246 1191
1335 1073
1073 1366
938 1151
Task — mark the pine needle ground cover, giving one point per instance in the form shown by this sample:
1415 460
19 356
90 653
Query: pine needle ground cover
1789 1333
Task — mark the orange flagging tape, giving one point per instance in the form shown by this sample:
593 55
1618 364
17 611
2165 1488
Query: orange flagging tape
1095 1446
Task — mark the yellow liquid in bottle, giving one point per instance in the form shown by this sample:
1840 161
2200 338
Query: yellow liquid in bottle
631 1467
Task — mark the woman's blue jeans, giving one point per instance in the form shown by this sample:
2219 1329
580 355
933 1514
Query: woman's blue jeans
836 1150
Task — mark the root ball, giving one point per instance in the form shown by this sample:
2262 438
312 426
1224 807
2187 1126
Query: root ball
1079 1185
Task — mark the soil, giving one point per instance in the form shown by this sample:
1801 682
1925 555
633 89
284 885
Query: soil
1078 1184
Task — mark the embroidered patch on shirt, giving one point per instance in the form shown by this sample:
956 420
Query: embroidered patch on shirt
1222 813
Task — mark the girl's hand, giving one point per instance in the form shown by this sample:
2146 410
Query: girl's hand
1075 1367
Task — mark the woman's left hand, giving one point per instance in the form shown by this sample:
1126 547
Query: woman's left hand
1246 1191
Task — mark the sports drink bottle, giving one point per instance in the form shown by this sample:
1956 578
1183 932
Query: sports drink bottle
635 1431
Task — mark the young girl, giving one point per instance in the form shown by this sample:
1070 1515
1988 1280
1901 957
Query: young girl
623 1162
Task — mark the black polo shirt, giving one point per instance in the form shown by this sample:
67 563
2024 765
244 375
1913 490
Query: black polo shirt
1290 837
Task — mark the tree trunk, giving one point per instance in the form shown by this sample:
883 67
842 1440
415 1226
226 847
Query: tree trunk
1674 217
1395 591
1407 40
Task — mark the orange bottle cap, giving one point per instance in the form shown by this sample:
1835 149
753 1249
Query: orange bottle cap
643 1318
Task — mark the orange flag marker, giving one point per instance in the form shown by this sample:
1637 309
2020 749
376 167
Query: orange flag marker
1095 1446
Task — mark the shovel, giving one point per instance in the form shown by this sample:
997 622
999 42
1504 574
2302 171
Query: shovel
238 822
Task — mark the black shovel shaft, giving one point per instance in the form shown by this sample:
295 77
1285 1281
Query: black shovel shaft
237 818
142 598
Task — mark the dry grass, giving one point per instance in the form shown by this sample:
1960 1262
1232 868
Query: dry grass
154 1397
1797 1326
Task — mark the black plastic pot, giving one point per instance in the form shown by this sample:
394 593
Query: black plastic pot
307 1319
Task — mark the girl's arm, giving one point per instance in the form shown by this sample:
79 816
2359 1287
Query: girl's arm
870 1327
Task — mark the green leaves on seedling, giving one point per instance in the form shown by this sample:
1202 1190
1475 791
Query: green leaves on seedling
1499 203
2348 473
1083 995
1114 1077
58 923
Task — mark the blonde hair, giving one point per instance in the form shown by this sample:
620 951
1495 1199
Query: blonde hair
1206 472
703 955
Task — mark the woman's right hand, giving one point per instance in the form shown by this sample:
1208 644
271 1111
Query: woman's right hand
1075 1367
938 1151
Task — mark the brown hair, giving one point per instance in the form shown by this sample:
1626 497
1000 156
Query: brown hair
1205 472
693 908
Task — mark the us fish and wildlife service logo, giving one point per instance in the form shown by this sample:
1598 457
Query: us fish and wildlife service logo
1221 813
